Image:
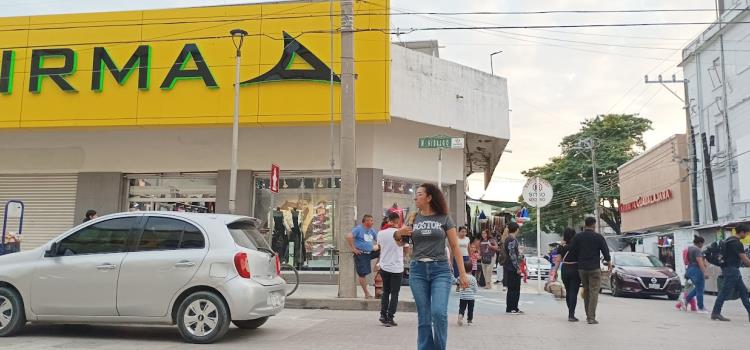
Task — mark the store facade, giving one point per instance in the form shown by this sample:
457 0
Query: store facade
655 201
167 147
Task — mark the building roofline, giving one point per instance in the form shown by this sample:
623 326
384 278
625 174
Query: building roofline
649 150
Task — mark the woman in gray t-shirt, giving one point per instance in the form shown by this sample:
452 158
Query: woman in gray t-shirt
429 273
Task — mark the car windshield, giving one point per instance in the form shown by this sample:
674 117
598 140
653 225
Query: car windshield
637 260
246 235
535 261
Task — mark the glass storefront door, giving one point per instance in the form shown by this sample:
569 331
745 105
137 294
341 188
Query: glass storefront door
299 220
187 192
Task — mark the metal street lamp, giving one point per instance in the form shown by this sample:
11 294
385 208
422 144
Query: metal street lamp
492 68
238 38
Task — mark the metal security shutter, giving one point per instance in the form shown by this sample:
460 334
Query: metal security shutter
50 204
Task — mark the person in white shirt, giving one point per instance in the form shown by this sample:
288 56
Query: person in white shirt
391 266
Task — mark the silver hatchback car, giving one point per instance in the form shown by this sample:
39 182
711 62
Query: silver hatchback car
198 271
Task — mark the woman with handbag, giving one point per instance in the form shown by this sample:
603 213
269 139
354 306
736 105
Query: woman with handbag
487 250
568 268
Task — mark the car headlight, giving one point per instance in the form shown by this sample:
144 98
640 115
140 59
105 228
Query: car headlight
625 276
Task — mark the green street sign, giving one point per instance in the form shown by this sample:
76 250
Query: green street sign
444 142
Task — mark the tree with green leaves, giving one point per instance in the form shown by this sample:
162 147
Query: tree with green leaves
618 138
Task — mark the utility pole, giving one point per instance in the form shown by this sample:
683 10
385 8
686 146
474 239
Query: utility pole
592 144
692 151
347 196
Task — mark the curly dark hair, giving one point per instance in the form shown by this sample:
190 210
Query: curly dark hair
437 204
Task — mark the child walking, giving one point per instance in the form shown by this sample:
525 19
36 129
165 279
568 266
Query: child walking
466 297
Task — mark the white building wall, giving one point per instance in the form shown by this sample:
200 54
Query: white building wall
706 88
431 90
391 147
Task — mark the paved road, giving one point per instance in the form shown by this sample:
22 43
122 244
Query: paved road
627 323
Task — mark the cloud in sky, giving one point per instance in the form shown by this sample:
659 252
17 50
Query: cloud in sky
556 77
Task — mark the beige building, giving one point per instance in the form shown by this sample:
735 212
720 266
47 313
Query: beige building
655 188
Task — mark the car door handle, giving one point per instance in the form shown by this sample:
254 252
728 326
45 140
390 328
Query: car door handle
184 263
106 266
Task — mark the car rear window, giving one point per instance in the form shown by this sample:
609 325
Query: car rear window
246 235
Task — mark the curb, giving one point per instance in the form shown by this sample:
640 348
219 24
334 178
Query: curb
348 304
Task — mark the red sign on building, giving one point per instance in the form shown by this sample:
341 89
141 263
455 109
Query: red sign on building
275 175
646 200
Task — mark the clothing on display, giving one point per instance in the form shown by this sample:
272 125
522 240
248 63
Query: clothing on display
296 237
280 239
321 237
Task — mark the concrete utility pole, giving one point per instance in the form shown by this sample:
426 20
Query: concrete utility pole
596 185
348 194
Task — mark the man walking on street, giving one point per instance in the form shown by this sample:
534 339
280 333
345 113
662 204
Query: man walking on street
391 268
361 242
512 271
734 257
586 248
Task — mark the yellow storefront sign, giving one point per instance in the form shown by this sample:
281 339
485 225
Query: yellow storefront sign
177 67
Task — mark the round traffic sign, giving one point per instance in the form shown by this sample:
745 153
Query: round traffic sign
537 192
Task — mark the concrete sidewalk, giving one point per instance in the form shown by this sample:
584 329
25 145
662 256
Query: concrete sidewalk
325 297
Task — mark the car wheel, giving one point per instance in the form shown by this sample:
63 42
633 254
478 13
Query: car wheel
615 290
251 324
673 296
12 313
203 318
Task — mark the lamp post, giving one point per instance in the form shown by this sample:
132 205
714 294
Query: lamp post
492 68
238 37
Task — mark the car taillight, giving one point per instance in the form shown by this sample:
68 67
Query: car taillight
240 263
278 266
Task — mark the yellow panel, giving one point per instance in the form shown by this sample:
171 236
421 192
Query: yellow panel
190 101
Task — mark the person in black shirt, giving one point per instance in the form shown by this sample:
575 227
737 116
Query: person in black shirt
585 249
568 273
734 257
512 270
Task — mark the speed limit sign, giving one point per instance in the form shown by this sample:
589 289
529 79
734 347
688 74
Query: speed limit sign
537 192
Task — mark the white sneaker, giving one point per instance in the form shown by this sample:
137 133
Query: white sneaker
703 311
460 320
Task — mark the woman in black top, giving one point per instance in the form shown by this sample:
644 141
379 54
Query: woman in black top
569 273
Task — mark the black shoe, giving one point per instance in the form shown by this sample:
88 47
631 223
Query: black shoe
719 317
383 320
515 312
469 322
572 319
391 323
592 322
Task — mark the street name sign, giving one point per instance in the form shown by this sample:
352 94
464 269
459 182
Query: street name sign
443 142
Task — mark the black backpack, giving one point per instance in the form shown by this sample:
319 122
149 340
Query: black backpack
715 253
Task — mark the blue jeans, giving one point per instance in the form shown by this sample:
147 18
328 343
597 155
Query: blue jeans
430 284
695 274
732 282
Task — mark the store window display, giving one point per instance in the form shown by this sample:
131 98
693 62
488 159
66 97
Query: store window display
188 193
299 219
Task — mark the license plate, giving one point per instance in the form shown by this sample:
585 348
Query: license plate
276 300
654 286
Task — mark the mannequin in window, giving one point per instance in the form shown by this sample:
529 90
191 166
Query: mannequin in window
296 237
279 240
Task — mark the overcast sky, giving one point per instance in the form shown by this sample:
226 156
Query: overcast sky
556 77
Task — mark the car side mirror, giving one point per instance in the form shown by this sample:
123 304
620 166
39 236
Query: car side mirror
52 252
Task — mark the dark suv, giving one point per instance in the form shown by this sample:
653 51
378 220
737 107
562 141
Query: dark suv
640 274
